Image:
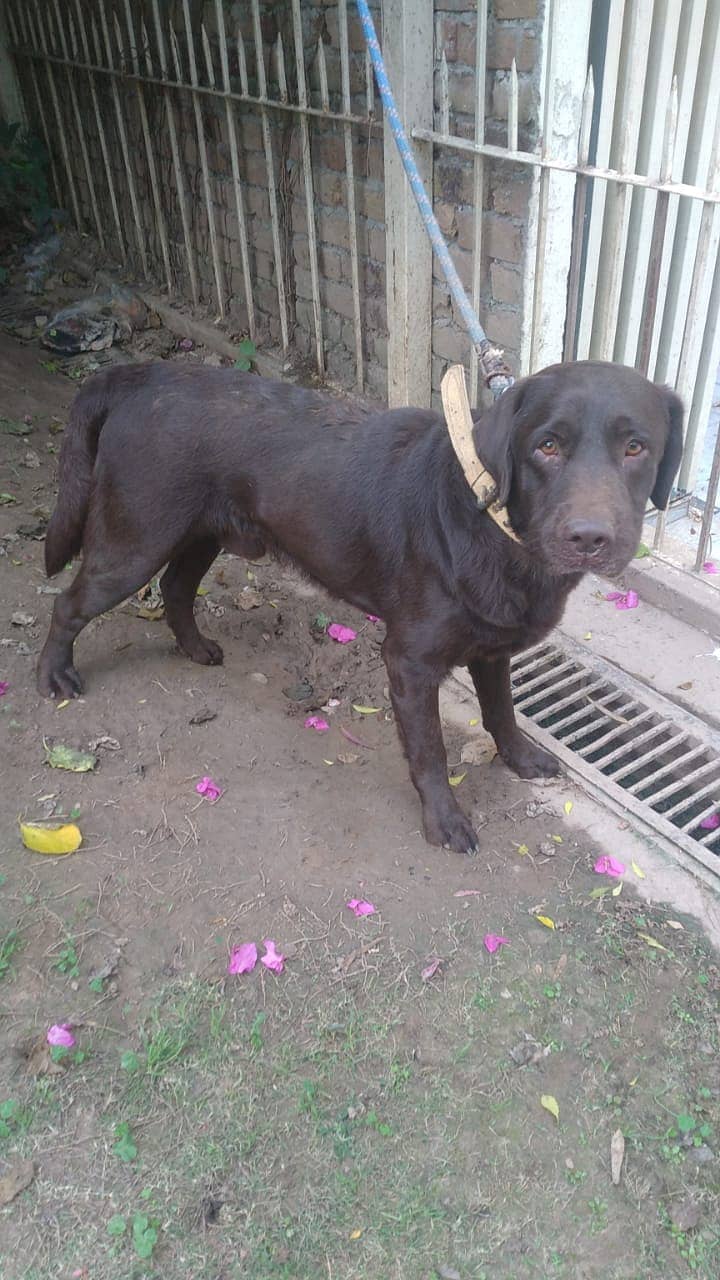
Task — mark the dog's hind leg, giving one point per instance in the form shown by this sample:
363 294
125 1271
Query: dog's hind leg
97 587
179 585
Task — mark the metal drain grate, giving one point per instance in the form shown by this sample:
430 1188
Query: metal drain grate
633 746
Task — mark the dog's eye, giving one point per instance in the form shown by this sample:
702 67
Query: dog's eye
633 448
549 447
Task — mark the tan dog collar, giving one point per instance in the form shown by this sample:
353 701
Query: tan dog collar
460 429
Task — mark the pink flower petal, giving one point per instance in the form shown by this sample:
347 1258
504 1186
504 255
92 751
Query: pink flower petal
372 617
342 634
317 723
711 823
60 1035
624 599
493 941
272 959
4 686
360 907
243 958
431 969
710 567
608 866
206 787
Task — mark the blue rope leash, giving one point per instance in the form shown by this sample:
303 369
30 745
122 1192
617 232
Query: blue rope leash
497 374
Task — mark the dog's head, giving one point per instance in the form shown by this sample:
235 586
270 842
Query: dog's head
576 451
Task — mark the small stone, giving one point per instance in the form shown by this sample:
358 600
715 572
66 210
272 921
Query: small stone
214 360
685 1215
31 459
259 677
478 751
20 619
702 1155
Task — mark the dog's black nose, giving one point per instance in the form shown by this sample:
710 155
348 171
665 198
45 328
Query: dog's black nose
588 536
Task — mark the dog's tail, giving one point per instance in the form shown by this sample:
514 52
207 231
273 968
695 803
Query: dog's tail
64 536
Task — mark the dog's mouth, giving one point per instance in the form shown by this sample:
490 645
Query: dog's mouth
562 560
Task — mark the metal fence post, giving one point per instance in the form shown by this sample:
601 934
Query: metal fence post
407 41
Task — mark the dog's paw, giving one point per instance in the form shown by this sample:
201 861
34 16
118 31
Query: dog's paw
205 651
530 761
452 830
59 682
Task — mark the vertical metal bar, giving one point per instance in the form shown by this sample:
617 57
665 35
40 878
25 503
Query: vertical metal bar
202 152
663 51
242 63
444 95
31 40
478 177
175 151
662 200
350 189
608 95
322 72
270 165
308 181
709 512
634 65
232 139
62 133
152 168
280 63
80 126
513 96
581 193
122 134
101 132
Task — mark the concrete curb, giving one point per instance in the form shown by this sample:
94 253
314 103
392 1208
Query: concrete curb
677 592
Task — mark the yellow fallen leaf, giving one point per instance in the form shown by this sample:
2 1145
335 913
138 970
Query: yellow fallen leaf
652 942
65 703
456 779
568 807
633 1082
549 924
365 711
202 591
152 615
557 839
474 721
328 761
617 890
638 871
52 840
522 850
588 635
355 1235
550 1104
674 924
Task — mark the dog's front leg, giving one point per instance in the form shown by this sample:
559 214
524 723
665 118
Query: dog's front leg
414 696
492 685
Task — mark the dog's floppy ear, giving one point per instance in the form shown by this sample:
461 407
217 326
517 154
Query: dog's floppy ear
492 437
672 456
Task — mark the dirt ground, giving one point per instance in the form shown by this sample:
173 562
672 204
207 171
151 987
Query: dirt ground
347 1118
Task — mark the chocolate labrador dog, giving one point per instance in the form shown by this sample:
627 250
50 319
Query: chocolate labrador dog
167 465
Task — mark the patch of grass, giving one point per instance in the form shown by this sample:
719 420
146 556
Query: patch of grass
9 947
68 961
